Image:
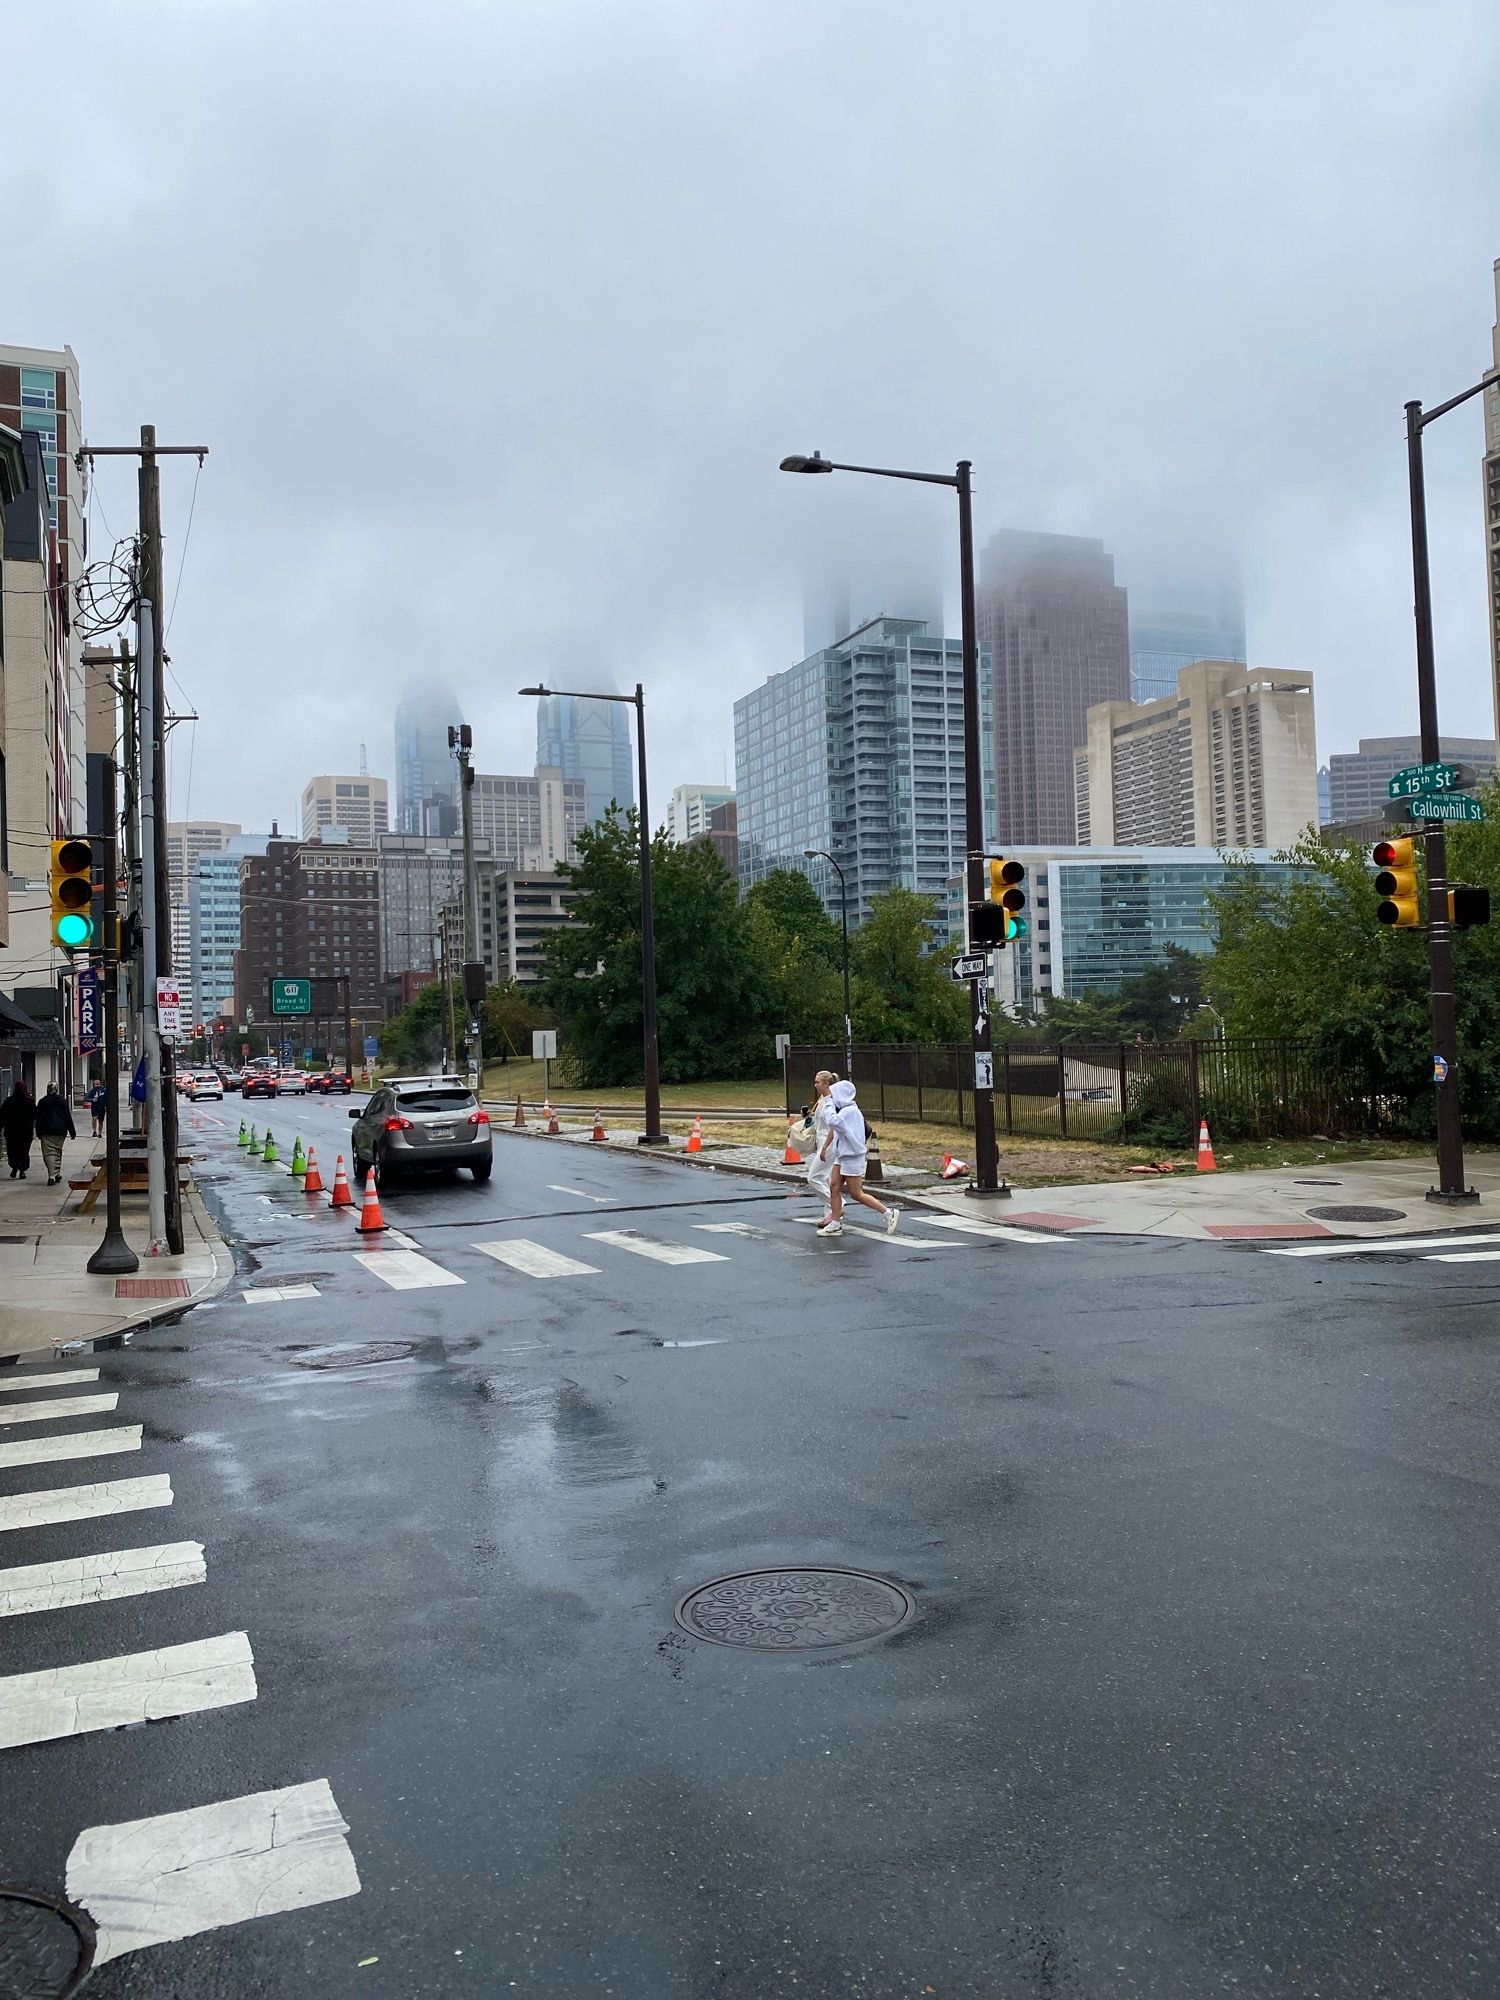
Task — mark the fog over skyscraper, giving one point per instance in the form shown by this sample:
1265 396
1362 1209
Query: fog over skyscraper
588 739
426 773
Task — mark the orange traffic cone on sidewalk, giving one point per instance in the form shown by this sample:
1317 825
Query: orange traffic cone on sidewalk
553 1128
371 1221
598 1131
791 1157
342 1196
1207 1164
695 1137
312 1182
953 1170
520 1117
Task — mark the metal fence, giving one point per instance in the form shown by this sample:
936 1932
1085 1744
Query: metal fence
1156 1092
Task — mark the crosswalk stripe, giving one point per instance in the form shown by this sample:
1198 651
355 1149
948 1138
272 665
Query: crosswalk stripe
82 1503
997 1232
152 1881
61 1380
65 1406
73 1444
535 1260
648 1246
265 1295
1464 1257
132 1687
405 1270
57 1586
906 1239
1391 1243
741 1229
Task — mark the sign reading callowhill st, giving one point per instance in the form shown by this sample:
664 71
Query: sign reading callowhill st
1419 778
1445 806
291 996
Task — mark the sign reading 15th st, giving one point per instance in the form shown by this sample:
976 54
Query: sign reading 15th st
1419 778
291 996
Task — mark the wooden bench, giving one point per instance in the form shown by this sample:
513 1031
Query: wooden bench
134 1179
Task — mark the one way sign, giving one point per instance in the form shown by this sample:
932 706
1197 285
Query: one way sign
971 965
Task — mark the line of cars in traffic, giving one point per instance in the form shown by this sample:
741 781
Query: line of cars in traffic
262 1079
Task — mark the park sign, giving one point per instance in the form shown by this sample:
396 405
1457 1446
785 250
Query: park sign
1444 806
291 996
1419 779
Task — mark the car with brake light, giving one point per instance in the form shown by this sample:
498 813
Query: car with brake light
416 1126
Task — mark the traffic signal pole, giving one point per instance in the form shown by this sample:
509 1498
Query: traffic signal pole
114 1256
986 1180
151 911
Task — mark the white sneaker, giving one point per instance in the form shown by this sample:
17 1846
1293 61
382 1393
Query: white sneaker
892 1217
831 1229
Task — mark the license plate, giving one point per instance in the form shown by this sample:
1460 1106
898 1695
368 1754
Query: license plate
440 1132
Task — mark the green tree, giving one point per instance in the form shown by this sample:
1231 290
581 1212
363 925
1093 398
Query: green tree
1156 1004
414 1038
507 1019
902 991
712 993
799 950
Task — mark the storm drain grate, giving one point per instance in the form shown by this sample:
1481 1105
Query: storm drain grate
15 1239
794 1610
358 1357
1357 1214
46 1946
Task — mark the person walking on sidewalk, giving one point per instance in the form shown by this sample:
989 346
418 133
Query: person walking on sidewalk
819 1167
98 1107
18 1123
846 1140
54 1123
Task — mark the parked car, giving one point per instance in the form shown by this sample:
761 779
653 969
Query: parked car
416 1125
259 1083
291 1083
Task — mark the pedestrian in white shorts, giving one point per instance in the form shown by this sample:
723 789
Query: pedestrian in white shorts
819 1169
846 1142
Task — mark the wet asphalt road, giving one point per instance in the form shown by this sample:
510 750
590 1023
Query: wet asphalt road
1198 1697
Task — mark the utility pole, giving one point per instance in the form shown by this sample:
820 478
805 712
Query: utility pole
131 773
114 1255
461 743
151 915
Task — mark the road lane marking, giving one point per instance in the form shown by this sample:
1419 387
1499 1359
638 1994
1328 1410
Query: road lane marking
405 1270
152 1881
1465 1257
535 1260
132 1687
997 1232
648 1246
82 1503
1397 1244
58 1586
740 1229
60 1380
65 1406
261 1295
583 1194
73 1444
400 1236
691 1343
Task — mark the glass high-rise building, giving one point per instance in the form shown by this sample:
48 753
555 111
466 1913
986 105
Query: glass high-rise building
1054 621
857 750
588 739
426 772
213 900
1185 606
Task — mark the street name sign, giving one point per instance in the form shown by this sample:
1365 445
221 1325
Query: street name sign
291 996
1418 779
1445 806
971 965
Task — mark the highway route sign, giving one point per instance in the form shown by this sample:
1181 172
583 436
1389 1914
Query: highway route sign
291 996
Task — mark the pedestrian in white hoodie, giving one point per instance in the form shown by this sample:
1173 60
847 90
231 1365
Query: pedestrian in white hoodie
819 1168
846 1141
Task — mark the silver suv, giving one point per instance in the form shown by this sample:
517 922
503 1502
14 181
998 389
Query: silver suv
420 1125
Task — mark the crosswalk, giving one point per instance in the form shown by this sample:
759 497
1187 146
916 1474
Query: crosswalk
148 1881
1430 1249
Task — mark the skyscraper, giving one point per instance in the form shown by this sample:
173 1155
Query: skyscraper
358 804
588 739
1492 503
426 773
1054 621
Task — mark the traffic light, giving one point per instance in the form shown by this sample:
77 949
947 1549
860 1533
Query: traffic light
1396 883
1468 908
1006 878
72 893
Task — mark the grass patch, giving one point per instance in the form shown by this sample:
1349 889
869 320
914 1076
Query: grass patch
504 1080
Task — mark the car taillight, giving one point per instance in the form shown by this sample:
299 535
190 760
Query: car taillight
398 1124
479 1118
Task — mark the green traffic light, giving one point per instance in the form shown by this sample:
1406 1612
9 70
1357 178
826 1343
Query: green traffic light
74 930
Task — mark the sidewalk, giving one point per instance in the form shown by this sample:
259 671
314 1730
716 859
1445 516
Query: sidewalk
47 1293
764 1161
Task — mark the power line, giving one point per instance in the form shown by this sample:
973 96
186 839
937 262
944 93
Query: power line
186 538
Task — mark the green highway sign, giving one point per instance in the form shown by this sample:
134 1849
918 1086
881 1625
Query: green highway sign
1417 779
1446 805
291 996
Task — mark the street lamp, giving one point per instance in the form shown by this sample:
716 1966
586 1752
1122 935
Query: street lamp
986 1179
822 854
653 1134
1450 1136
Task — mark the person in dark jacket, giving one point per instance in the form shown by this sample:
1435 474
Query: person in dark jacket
18 1123
98 1108
54 1123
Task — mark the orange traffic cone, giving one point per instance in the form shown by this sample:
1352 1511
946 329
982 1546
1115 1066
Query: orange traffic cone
953 1170
520 1117
312 1182
791 1157
598 1131
553 1128
695 1137
1207 1164
343 1195
370 1218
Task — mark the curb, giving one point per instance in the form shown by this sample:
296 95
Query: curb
700 1160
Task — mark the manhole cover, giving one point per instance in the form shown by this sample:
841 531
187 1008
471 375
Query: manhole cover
1357 1214
794 1610
358 1357
46 1946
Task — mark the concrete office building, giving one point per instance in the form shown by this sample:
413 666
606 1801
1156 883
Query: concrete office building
361 805
1054 621
213 901
529 823
419 873
310 909
518 911
691 807
1359 780
857 750
1491 477
1227 761
723 834
588 740
426 771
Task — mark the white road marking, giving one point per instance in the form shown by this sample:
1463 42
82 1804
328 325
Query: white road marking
81 1503
57 1586
60 1379
400 1236
65 1406
582 1193
873 1231
1465 1257
152 1881
73 1444
1397 1243
739 1229
132 1687
273 1294
404 1270
997 1232
648 1246
692 1343
535 1260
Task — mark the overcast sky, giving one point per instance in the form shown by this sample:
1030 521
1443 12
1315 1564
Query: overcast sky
497 318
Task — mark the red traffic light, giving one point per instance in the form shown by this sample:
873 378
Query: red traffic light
1383 853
